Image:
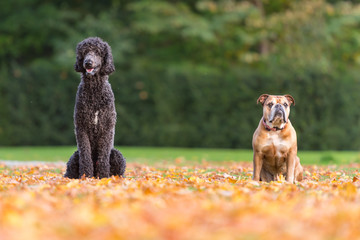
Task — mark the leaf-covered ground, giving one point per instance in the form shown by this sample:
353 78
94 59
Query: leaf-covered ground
178 202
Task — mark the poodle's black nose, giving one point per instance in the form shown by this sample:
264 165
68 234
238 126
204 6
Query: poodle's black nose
88 63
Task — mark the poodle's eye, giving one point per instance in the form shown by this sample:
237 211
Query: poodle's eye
270 105
97 52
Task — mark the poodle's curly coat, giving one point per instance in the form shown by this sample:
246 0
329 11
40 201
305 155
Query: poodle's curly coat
95 115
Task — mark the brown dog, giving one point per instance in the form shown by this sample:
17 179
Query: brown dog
274 142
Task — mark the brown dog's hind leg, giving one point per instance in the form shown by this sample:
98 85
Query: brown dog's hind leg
298 170
266 176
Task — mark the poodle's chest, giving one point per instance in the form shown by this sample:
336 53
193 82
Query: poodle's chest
91 116
94 108
96 118
94 99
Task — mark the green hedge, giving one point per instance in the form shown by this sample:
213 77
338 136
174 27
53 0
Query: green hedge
188 73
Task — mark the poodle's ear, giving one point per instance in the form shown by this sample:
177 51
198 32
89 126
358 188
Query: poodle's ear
108 66
79 58
79 64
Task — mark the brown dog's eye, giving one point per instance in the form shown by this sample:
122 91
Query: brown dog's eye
270 105
286 105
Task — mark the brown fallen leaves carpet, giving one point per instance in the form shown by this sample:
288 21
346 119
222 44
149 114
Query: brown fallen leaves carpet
165 201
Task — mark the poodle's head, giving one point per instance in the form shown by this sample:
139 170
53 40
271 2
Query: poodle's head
93 56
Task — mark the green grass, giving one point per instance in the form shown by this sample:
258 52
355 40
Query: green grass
157 154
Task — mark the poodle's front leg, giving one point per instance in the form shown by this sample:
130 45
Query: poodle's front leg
86 166
105 144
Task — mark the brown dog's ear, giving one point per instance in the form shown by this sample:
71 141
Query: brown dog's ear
290 99
262 99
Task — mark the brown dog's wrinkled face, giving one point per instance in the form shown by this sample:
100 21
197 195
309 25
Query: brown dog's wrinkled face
276 109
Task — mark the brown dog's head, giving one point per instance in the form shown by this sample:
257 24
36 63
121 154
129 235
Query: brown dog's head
276 109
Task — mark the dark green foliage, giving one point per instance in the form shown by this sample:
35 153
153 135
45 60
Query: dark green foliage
188 73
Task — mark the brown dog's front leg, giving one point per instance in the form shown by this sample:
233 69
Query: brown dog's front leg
257 161
298 170
290 166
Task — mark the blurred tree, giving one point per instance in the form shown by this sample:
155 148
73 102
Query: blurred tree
188 71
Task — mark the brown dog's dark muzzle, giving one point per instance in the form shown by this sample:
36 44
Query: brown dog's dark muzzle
279 112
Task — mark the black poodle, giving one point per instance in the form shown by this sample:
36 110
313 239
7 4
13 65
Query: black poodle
95 115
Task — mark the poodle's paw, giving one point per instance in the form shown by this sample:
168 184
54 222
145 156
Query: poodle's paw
72 166
73 169
117 163
103 171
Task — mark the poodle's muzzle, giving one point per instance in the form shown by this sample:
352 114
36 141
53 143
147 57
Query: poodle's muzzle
92 63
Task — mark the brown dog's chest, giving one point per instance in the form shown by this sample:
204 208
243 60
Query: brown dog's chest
275 151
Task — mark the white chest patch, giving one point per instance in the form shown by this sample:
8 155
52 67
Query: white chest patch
96 118
273 139
280 144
